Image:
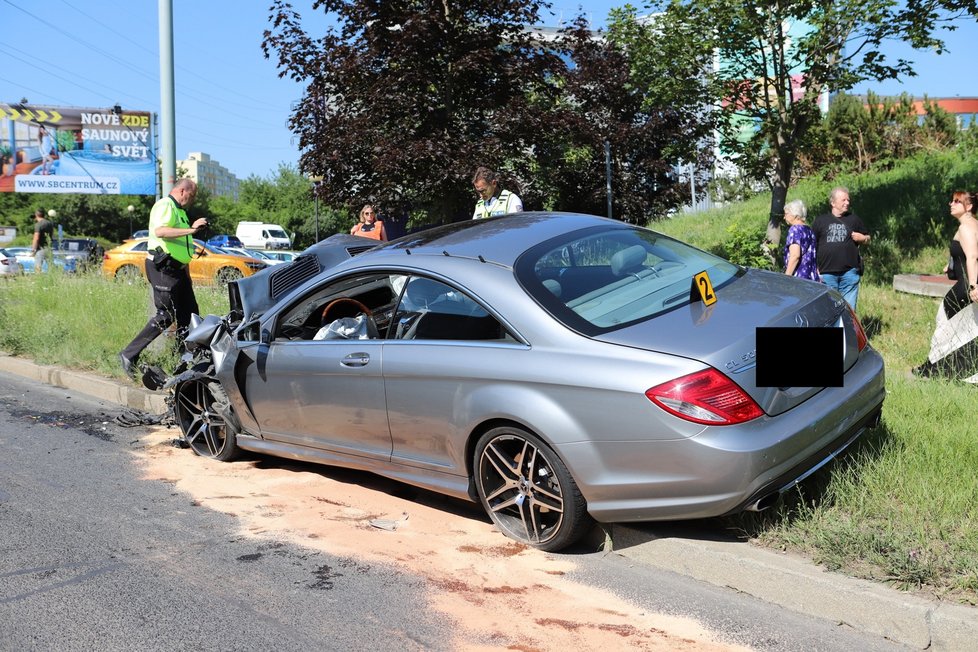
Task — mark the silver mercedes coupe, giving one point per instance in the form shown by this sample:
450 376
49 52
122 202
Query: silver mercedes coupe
559 369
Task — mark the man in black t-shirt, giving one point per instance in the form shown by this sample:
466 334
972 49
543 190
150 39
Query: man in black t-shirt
41 245
838 235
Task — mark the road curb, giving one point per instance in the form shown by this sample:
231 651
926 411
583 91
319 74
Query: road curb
798 585
781 579
99 387
922 284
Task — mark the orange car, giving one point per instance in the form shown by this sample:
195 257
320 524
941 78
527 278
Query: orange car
208 266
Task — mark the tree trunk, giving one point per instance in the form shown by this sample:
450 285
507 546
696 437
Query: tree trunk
784 162
779 194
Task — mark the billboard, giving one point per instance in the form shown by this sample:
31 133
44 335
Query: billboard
58 149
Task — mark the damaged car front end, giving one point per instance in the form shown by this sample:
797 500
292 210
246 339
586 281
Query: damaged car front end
197 398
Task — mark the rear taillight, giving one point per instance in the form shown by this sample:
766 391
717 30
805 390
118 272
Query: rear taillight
705 397
860 333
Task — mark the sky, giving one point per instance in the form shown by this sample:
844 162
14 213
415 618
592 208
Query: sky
230 102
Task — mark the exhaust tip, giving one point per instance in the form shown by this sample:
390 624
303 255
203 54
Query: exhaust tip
762 503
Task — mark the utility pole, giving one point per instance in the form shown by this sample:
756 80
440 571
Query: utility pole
607 174
168 136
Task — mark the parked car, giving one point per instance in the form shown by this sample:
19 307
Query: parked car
253 253
65 261
87 251
224 241
143 233
284 256
560 369
8 264
208 266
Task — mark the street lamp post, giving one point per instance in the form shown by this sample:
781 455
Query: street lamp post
129 209
315 193
53 214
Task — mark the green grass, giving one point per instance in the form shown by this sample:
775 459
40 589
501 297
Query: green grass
52 318
901 509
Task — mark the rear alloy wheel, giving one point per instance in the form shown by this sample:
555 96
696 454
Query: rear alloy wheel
197 405
128 274
527 491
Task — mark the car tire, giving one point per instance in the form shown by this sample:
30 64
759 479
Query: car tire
527 491
227 274
196 408
128 274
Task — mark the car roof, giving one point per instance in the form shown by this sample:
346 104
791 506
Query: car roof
499 239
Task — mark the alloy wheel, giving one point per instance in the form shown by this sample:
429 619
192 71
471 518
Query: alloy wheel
527 491
197 405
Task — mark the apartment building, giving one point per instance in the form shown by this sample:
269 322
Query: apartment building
210 174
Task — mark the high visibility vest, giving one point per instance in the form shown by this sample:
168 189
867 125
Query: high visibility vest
499 205
167 212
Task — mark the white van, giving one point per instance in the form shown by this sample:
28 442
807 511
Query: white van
259 235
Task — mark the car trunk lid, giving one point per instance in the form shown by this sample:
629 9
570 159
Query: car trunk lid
724 335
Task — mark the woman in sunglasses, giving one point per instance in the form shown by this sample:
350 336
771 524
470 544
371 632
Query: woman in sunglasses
954 346
369 226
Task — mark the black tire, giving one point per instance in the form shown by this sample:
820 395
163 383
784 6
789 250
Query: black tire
527 491
129 274
195 407
227 274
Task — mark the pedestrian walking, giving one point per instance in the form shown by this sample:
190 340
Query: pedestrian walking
41 244
170 249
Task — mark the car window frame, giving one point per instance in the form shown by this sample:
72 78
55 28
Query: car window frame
274 323
526 276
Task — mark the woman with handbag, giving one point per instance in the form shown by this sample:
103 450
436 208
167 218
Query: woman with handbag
954 345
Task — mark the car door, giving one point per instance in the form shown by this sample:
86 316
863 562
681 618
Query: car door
444 349
325 393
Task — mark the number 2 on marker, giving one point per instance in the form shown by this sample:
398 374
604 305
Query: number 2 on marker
705 287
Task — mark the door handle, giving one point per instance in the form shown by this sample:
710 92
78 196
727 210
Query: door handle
355 360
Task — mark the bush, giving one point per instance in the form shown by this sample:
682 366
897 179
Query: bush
745 246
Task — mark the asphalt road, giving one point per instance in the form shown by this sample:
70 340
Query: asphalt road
92 556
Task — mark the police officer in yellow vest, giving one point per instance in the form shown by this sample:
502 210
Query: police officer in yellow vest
492 199
170 249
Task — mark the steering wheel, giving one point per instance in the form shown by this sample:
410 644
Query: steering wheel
343 307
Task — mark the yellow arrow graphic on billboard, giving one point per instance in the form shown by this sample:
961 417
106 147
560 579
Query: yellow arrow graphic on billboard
50 115
26 115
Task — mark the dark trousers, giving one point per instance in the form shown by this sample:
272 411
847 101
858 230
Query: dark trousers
173 296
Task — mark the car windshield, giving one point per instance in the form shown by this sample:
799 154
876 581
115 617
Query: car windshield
598 280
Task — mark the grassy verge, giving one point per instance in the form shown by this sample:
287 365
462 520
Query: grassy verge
52 318
903 509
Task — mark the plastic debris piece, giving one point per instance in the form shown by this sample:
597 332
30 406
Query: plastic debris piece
389 524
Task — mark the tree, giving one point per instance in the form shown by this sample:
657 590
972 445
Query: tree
604 98
776 58
284 198
404 98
